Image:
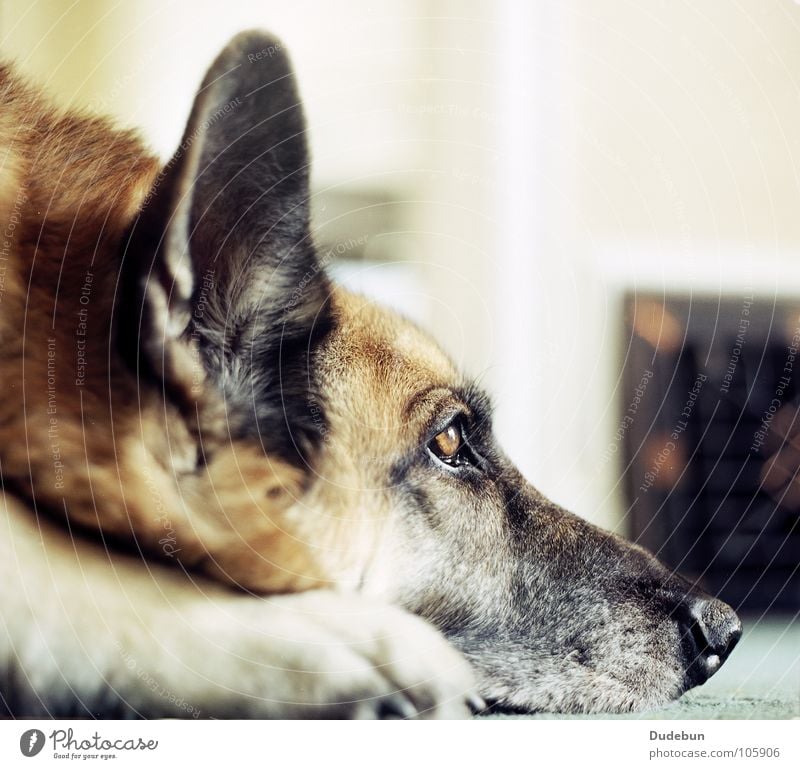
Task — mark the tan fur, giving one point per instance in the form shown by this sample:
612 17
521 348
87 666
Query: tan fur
373 366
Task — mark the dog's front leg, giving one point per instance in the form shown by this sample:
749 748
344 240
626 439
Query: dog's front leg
93 634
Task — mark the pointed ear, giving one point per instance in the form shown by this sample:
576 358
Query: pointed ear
220 263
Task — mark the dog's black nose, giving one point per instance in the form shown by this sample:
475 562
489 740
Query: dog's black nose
710 630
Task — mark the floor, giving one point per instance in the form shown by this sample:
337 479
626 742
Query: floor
760 680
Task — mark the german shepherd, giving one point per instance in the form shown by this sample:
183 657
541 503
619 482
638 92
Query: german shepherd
231 488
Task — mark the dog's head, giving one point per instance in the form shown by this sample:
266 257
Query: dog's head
406 493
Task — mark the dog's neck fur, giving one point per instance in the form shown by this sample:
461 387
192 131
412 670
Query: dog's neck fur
80 435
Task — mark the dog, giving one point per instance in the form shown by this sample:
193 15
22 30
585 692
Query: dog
233 489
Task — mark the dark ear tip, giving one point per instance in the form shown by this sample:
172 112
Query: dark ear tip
257 46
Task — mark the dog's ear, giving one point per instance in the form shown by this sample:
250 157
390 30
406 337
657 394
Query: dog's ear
220 264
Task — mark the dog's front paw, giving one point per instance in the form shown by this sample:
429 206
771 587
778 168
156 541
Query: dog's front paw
364 659
322 654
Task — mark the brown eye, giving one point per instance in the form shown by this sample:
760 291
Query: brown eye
450 445
447 443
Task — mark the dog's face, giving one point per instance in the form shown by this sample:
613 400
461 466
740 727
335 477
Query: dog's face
555 614
396 445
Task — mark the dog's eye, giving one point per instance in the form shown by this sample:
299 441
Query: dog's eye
449 445
448 442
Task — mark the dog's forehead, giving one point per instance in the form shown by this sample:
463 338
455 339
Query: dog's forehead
373 342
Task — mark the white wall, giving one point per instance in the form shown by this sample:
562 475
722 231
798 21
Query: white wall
681 153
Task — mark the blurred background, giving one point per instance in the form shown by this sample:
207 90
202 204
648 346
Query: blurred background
593 204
